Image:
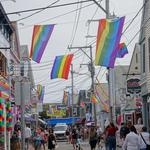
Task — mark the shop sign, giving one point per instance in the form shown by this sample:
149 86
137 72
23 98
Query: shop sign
133 86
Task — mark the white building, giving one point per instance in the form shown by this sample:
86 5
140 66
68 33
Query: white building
144 42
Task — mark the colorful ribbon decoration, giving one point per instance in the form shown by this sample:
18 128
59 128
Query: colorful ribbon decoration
1 114
8 116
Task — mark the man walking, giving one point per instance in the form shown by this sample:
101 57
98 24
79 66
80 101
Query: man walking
27 135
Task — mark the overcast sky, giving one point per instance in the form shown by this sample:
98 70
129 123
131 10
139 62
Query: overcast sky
64 35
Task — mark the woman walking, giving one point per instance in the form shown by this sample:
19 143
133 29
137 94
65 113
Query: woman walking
93 138
51 140
111 136
132 141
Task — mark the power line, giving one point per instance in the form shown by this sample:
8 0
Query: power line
135 16
76 26
57 16
41 8
39 11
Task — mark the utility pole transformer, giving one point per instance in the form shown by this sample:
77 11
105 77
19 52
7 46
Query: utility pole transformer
92 71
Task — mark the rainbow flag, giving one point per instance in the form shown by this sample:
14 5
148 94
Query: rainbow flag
122 50
95 99
103 104
40 37
61 66
108 39
40 91
65 98
4 86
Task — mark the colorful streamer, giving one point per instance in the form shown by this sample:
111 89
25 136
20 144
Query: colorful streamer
2 114
122 50
108 39
40 37
61 66
40 91
8 116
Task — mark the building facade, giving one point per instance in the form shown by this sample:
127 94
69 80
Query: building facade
144 42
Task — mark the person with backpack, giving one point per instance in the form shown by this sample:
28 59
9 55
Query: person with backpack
144 139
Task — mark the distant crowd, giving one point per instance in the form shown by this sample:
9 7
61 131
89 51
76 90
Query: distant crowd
44 138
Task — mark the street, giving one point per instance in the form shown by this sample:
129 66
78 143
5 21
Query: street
66 146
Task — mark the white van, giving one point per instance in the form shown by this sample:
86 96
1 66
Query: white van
60 131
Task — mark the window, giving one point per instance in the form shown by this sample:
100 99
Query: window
149 51
136 58
3 65
143 64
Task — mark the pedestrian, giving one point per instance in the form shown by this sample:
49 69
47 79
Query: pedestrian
93 138
74 137
132 140
43 135
27 136
111 136
67 135
15 141
106 138
51 140
37 139
99 136
144 139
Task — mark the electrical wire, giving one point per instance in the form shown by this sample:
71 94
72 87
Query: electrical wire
37 12
77 23
57 16
135 16
41 8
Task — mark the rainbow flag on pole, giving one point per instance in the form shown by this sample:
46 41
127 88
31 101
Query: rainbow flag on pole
61 66
40 37
40 91
108 39
95 99
122 50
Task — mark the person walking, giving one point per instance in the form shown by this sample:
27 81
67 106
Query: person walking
74 137
93 138
132 141
27 136
51 140
144 139
111 136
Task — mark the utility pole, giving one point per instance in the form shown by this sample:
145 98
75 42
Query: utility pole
72 96
22 115
92 70
22 106
110 75
93 85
